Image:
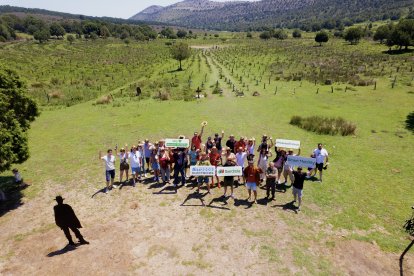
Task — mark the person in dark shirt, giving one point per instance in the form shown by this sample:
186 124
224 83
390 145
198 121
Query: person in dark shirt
66 219
231 142
180 159
217 140
271 175
298 179
229 180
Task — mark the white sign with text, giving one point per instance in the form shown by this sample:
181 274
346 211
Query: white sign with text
289 144
299 161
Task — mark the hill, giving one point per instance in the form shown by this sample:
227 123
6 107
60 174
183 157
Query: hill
242 15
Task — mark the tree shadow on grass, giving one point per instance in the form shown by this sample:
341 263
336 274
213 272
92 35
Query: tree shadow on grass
409 122
12 192
398 51
62 251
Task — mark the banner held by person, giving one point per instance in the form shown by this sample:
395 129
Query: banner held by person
177 143
289 144
230 171
202 170
299 161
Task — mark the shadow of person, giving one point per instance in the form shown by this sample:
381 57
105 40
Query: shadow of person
221 199
281 188
99 191
12 194
167 190
287 206
62 251
243 202
157 185
194 195
263 201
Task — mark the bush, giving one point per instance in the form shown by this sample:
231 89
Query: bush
409 122
104 100
324 125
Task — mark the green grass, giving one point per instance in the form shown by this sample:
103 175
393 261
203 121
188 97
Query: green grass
366 187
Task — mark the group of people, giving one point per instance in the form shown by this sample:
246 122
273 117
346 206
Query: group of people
166 164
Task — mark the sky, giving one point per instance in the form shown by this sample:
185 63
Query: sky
118 8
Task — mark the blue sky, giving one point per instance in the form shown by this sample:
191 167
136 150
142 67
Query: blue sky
119 8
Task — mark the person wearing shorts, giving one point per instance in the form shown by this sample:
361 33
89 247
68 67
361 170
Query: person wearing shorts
135 162
155 163
252 176
123 164
241 156
109 169
204 161
320 154
147 154
229 180
299 178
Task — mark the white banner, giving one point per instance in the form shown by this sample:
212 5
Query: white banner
230 171
177 143
289 144
202 170
299 161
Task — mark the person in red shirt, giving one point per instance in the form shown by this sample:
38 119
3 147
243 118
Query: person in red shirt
240 144
215 160
252 176
196 140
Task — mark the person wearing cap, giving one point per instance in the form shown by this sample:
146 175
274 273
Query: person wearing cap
66 219
204 161
298 179
123 164
136 165
217 140
196 140
252 175
147 154
321 154
109 169
231 143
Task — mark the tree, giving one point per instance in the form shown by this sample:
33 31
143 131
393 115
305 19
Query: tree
42 35
249 35
265 35
280 34
70 38
353 35
180 52
296 34
18 111
56 30
383 33
321 37
104 32
181 34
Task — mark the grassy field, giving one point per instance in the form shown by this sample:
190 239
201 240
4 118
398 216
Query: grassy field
367 191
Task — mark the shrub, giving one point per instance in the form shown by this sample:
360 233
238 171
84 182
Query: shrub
409 122
104 100
324 125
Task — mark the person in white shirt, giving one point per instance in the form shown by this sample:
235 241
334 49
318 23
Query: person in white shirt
321 156
109 169
123 164
241 157
136 165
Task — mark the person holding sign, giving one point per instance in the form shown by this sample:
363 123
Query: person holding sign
298 179
203 179
320 154
240 158
215 160
252 176
229 180
287 168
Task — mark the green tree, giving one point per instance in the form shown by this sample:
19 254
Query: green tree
104 32
353 35
70 38
321 37
296 34
57 30
17 112
265 35
42 35
180 52
181 34
383 33
280 34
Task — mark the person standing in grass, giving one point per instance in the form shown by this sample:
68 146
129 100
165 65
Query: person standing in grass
240 144
155 163
209 145
180 162
231 143
140 152
109 169
250 146
240 159
217 140
252 175
164 165
287 168
262 161
271 175
147 153
279 161
229 180
123 164
135 161
204 161
193 155
196 140
298 179
321 154
215 160
265 144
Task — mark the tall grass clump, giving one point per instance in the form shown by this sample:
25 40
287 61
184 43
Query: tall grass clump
409 122
324 125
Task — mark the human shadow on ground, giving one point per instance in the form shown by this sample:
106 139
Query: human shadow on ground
287 206
99 191
12 193
167 190
194 195
62 251
221 199
243 202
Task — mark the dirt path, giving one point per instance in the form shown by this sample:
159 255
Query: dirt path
148 230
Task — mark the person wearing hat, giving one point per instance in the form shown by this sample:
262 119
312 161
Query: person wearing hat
252 175
297 190
66 219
